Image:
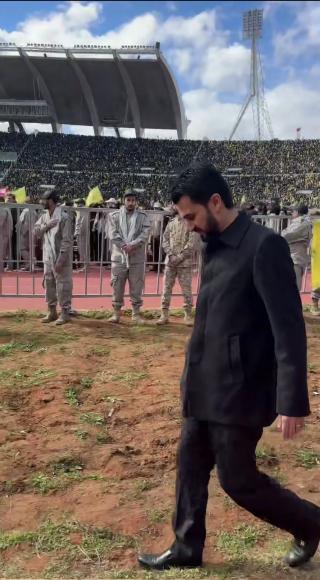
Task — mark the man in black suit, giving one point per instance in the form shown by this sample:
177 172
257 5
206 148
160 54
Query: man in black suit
246 364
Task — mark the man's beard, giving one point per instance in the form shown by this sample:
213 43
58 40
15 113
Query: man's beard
211 227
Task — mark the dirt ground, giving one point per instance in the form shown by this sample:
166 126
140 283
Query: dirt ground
89 425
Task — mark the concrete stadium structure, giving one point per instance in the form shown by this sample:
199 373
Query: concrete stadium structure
130 87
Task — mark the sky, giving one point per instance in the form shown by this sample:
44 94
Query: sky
202 41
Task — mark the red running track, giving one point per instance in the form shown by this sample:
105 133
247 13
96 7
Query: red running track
25 283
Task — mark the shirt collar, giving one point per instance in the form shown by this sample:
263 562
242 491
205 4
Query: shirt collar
233 234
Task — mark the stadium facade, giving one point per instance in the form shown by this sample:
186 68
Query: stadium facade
89 85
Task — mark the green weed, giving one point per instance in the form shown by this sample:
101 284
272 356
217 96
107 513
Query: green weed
307 458
92 419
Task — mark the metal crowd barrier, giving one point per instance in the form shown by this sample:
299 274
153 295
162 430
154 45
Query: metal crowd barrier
21 267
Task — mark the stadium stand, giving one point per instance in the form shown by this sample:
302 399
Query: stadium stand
73 164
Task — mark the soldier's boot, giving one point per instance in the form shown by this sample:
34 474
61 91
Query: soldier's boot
188 320
164 319
51 316
64 318
136 317
115 318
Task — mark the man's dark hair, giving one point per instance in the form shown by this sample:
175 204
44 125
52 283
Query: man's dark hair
303 209
200 181
54 196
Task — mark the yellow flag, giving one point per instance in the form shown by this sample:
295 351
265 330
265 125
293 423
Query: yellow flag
94 196
20 195
243 199
315 256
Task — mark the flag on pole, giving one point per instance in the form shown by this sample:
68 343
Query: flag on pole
94 197
20 195
315 256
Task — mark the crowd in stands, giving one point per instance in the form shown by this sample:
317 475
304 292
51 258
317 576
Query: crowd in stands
74 164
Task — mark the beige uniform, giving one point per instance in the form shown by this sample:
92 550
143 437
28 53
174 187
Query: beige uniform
57 250
128 228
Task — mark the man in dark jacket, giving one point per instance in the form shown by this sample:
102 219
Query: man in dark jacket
246 364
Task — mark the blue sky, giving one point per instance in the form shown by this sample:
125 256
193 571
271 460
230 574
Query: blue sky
203 43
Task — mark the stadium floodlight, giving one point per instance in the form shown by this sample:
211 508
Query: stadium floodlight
252 30
252 24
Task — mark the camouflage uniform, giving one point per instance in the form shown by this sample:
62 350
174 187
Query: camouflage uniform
179 244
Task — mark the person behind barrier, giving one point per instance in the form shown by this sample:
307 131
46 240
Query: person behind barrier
55 229
298 235
180 246
246 363
128 231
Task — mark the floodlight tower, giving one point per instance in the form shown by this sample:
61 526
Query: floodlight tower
252 30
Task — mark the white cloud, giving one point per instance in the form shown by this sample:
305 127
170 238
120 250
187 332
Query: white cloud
304 35
226 68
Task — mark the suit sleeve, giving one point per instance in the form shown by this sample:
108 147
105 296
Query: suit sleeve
275 282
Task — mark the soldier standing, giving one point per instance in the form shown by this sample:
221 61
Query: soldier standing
55 229
180 245
128 231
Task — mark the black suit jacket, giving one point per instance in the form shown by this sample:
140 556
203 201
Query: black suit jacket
246 360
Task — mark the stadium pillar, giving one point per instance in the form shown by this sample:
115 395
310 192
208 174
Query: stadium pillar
38 78
131 94
87 93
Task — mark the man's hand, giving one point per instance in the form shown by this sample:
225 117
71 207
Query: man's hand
128 249
173 260
52 224
290 426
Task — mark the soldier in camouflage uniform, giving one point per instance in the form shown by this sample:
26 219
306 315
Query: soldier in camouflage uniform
179 245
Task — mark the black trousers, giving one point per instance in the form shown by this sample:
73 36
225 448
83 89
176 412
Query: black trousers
232 450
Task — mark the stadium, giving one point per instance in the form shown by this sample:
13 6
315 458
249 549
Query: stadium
127 240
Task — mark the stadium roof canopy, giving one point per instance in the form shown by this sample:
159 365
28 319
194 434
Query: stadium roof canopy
131 87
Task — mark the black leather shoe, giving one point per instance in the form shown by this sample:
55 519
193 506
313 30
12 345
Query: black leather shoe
301 552
168 560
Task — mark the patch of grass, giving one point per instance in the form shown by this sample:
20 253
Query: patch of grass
44 484
72 397
82 434
141 487
96 314
157 516
104 438
66 464
97 351
92 419
19 378
12 347
267 456
129 378
86 382
235 544
56 537
307 458
111 400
